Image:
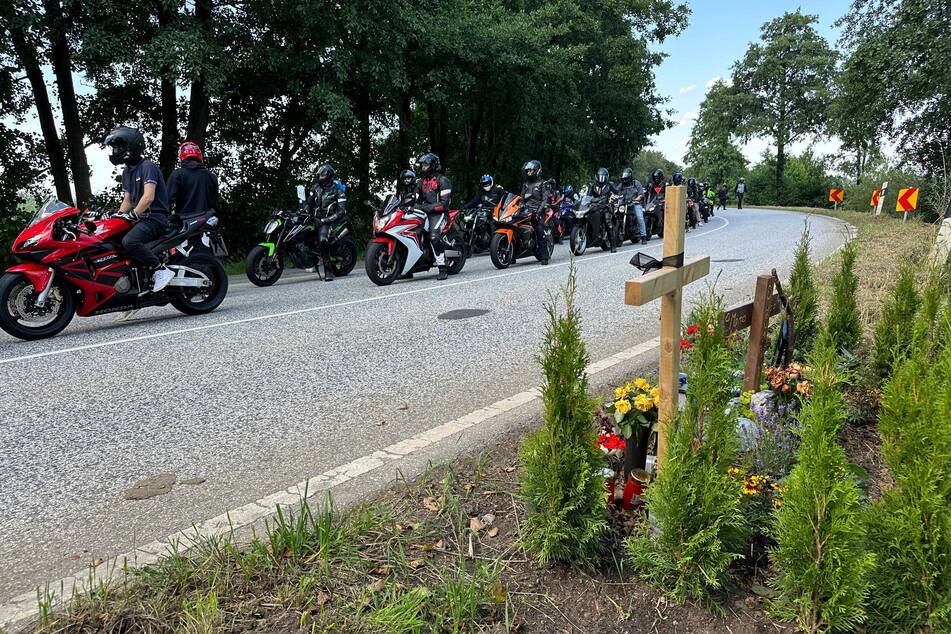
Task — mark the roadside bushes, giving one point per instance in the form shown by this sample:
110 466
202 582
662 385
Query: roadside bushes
893 332
696 527
804 295
822 564
562 482
842 323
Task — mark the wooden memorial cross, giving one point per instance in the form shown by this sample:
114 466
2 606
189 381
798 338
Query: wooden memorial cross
667 284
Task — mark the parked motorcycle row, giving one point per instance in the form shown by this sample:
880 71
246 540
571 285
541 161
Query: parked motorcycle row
73 262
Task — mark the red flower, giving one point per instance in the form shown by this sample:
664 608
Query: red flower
685 345
611 442
692 330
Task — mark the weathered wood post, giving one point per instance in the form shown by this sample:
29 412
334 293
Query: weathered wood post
759 324
667 284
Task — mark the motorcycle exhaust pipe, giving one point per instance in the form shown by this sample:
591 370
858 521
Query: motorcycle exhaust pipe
345 231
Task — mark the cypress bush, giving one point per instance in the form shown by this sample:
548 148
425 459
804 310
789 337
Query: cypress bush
820 556
561 480
893 332
696 527
843 323
910 525
804 295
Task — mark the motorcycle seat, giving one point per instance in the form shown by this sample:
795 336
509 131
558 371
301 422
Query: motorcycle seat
178 230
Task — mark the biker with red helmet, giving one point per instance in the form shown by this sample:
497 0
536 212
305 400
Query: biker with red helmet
192 188
433 192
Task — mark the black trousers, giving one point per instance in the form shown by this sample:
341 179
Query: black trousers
145 230
541 234
739 199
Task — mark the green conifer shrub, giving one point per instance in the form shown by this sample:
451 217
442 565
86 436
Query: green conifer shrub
893 331
696 527
561 481
842 322
805 296
820 556
910 524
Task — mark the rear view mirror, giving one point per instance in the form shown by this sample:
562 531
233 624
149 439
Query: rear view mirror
301 193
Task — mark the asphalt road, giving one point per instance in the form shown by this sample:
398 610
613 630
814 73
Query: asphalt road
285 382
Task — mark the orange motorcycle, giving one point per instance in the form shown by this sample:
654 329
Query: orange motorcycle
514 233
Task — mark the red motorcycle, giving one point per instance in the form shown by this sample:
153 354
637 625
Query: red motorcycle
74 264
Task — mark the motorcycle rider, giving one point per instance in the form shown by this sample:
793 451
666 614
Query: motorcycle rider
406 187
632 191
327 204
569 199
433 192
535 198
694 200
658 187
192 189
601 192
740 191
488 196
144 201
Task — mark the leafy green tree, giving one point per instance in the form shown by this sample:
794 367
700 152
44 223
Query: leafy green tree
697 527
646 161
843 325
781 86
562 481
820 557
712 155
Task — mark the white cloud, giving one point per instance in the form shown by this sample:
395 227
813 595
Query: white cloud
685 89
713 80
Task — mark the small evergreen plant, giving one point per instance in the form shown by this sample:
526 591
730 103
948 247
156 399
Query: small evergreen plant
910 525
804 295
893 331
562 481
820 556
843 323
697 528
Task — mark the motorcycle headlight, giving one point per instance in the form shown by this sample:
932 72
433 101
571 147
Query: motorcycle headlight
379 222
29 242
272 225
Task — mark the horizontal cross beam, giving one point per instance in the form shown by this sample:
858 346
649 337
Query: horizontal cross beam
666 280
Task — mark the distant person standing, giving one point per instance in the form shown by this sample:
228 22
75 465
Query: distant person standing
740 192
722 193
192 189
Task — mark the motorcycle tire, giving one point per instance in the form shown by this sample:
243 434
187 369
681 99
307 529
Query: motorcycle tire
343 257
454 265
12 285
184 300
253 267
382 269
502 251
579 240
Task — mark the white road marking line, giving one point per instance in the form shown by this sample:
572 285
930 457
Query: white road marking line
24 607
365 300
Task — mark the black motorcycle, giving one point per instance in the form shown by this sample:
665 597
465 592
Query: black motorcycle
288 234
654 216
477 229
588 228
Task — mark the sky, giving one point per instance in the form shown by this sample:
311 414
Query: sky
718 34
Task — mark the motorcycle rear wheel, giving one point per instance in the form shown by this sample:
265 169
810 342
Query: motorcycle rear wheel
382 268
454 265
17 295
343 257
579 239
200 301
263 269
502 251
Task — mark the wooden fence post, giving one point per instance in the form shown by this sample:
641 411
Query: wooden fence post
759 325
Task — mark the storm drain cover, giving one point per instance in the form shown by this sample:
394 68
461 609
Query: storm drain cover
736 260
463 313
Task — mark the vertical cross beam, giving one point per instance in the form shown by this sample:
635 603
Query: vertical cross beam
675 213
759 324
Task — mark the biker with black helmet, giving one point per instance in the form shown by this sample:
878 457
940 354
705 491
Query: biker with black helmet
406 187
433 192
657 187
694 200
144 200
535 198
327 204
601 192
632 193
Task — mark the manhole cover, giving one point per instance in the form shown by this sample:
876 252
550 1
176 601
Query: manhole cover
736 260
463 313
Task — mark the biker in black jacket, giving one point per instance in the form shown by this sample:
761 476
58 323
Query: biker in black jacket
192 189
488 196
601 192
433 192
535 199
327 204
632 195
656 187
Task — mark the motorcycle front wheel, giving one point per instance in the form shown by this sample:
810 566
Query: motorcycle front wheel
382 268
22 318
502 251
579 239
198 301
263 269
343 257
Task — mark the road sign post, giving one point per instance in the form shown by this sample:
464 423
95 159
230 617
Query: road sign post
667 284
881 198
836 196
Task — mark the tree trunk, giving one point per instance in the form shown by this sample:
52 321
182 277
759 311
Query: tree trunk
168 154
364 110
432 125
405 115
780 168
44 112
199 104
60 58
